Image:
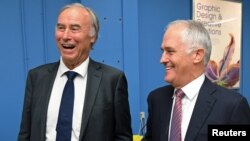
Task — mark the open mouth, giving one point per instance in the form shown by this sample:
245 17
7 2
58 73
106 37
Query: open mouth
68 46
169 67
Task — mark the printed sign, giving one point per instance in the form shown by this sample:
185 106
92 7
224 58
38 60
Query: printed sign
223 20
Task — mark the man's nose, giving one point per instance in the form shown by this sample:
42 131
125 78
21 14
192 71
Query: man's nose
164 58
66 34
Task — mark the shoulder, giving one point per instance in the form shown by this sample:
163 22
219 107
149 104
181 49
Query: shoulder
232 102
166 88
44 69
104 67
160 92
226 94
45 66
222 94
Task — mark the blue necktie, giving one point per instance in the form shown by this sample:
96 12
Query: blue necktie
64 123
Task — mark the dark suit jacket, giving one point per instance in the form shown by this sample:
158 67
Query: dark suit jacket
106 114
214 105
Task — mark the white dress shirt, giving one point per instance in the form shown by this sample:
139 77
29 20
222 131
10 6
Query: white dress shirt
55 100
191 91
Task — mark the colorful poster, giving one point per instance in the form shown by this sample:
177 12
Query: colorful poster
223 20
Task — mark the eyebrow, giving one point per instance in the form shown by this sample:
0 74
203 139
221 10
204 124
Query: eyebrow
60 24
167 47
75 25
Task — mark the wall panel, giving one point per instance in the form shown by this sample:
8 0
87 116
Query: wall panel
153 18
25 44
12 72
109 47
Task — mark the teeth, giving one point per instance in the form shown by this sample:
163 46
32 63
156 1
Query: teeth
168 67
68 45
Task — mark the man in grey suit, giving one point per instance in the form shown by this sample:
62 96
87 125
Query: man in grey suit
101 108
186 49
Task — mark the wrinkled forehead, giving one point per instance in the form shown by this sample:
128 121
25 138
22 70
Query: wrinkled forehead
176 29
74 14
173 36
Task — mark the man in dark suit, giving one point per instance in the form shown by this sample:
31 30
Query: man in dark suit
101 108
186 50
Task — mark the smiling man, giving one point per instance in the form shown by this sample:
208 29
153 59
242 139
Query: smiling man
184 109
76 98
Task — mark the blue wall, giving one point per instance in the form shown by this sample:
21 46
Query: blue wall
245 69
153 17
130 38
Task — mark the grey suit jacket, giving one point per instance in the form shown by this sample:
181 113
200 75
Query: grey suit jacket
214 105
106 114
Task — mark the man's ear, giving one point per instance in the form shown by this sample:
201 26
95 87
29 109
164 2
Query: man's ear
199 55
93 38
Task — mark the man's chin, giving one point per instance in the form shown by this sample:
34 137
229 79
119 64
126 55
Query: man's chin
168 78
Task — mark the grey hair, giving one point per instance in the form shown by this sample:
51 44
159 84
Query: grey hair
196 36
94 31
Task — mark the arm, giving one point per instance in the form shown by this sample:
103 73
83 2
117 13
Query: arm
148 134
241 112
24 132
123 131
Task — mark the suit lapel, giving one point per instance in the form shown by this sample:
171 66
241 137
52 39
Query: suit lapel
166 109
93 82
201 110
47 85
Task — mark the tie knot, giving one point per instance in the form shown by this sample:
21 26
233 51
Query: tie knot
179 93
71 75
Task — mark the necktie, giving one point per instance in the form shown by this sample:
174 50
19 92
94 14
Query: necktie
175 132
64 123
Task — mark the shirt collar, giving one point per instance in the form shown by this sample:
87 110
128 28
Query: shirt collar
80 70
193 88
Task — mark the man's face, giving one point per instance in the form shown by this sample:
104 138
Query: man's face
73 36
176 60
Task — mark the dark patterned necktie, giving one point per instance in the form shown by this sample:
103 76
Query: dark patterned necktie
175 132
64 123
